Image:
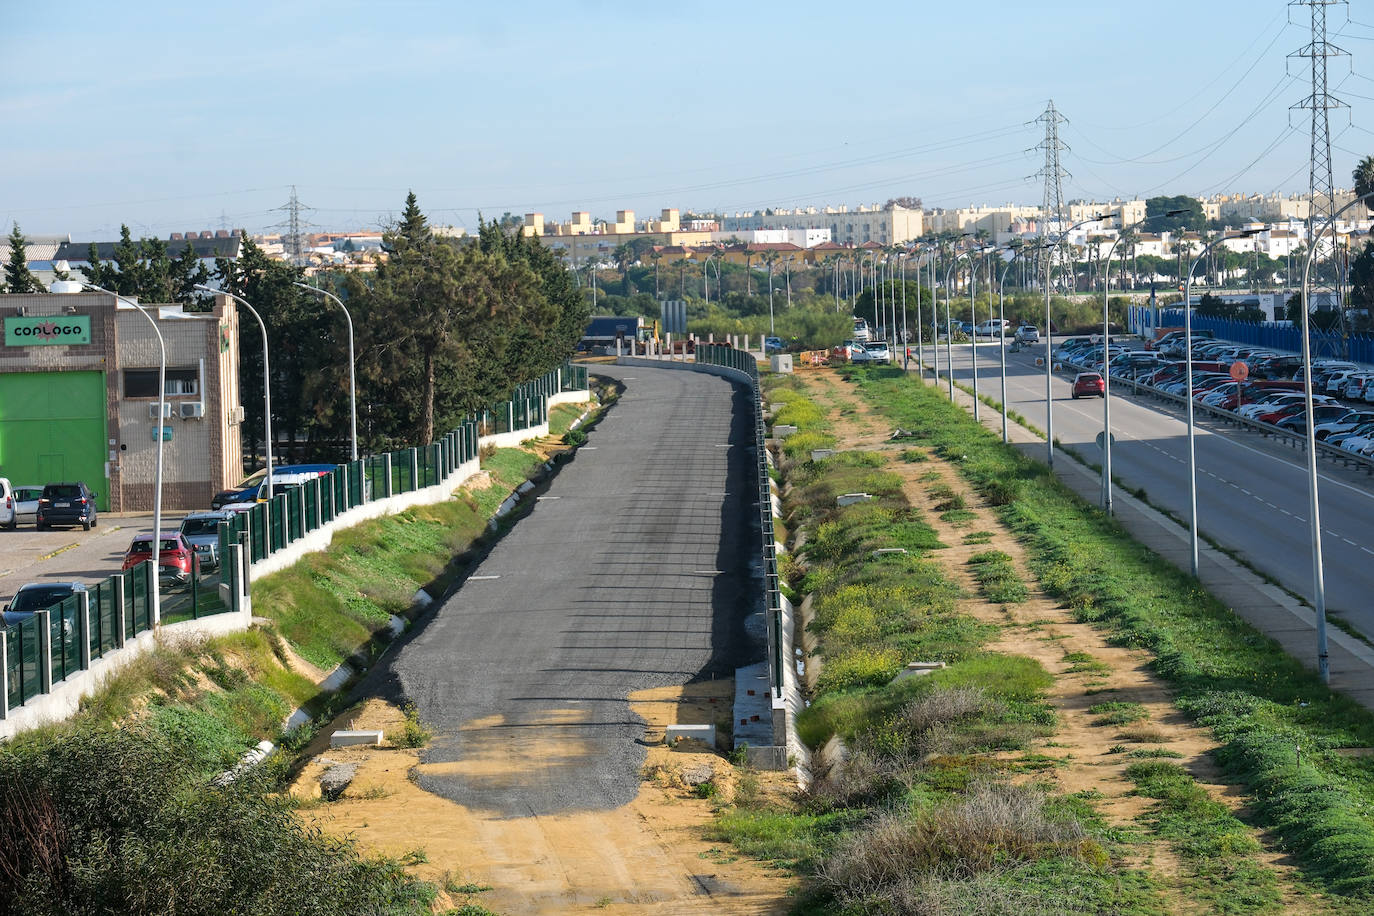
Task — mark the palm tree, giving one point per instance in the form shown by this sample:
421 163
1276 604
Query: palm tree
1364 177
748 272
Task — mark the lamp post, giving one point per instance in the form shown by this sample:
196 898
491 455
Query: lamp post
352 384
1107 355
1049 338
266 392
902 259
157 472
949 325
1188 374
1002 332
1314 505
973 320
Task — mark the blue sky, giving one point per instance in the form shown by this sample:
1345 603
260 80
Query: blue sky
178 116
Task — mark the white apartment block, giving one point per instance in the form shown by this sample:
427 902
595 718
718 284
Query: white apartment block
802 238
884 225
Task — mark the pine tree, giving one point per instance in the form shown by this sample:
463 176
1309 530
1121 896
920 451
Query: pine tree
18 277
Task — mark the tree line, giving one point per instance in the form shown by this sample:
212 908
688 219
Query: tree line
444 327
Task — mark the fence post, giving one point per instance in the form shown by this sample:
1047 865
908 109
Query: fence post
386 474
120 622
414 454
44 618
83 620
4 675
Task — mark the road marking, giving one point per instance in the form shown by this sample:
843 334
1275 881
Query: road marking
540 499
589 448
481 578
49 556
726 445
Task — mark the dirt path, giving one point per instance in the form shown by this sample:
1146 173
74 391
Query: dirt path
647 857
1088 757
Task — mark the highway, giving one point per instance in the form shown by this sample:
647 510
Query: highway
1252 492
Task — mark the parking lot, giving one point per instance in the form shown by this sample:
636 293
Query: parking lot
70 554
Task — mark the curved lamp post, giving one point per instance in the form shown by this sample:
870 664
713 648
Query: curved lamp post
1049 338
1107 355
1002 330
157 475
1313 502
266 392
352 384
973 320
1188 374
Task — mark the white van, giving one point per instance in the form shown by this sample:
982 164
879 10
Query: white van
861 333
9 512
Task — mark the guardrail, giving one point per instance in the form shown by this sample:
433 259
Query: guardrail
55 645
742 361
1288 437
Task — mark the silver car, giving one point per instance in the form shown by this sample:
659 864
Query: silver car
201 530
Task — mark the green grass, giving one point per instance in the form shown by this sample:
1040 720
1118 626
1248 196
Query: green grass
1216 846
1258 702
998 578
561 417
1117 713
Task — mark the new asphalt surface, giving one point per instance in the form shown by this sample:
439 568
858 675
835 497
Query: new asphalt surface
632 571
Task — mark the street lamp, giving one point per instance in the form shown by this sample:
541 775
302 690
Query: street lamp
1314 506
949 325
352 384
1002 330
1049 341
973 320
157 473
1188 373
266 391
1107 355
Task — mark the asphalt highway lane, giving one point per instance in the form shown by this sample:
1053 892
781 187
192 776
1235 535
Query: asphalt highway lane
1252 492
632 571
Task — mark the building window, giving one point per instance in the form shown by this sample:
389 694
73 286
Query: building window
142 383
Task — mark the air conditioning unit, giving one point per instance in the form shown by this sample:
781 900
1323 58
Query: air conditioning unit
235 415
192 410
152 410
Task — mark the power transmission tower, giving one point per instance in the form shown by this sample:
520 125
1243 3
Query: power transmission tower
1052 207
1321 189
294 242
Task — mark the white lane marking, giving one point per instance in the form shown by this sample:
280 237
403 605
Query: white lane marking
481 578
540 499
589 448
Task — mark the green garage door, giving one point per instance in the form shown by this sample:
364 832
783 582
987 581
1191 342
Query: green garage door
52 427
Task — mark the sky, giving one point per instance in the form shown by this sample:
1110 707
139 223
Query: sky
171 117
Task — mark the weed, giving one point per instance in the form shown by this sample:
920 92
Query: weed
1085 663
1117 713
998 578
1143 734
414 731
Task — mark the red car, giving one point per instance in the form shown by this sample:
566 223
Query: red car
1089 384
176 558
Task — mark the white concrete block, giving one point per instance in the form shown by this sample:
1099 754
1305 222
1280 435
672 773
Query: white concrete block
364 736
706 734
850 499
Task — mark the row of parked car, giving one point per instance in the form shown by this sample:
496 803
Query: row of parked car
185 552
1272 390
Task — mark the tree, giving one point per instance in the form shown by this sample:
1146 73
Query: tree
18 277
1364 178
1158 206
1362 278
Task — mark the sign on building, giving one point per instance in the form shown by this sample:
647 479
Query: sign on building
47 330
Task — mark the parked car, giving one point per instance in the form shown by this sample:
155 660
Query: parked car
861 332
283 477
874 352
66 504
176 560
1089 384
1027 333
993 327
38 596
26 503
1320 412
773 345
201 530
8 517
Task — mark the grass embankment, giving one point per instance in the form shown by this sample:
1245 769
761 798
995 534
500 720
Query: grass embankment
936 808
99 808
1280 730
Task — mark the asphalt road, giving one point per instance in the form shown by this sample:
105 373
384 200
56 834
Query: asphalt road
1252 492
631 572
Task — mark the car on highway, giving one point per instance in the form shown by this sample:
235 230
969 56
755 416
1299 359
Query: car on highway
38 596
861 332
201 530
1089 385
70 503
177 561
1027 333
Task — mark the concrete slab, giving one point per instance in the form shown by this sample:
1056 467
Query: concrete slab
348 738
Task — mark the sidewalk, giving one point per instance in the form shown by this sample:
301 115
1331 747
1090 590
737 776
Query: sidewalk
1272 611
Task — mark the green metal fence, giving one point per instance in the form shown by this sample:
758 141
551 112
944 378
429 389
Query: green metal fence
124 602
